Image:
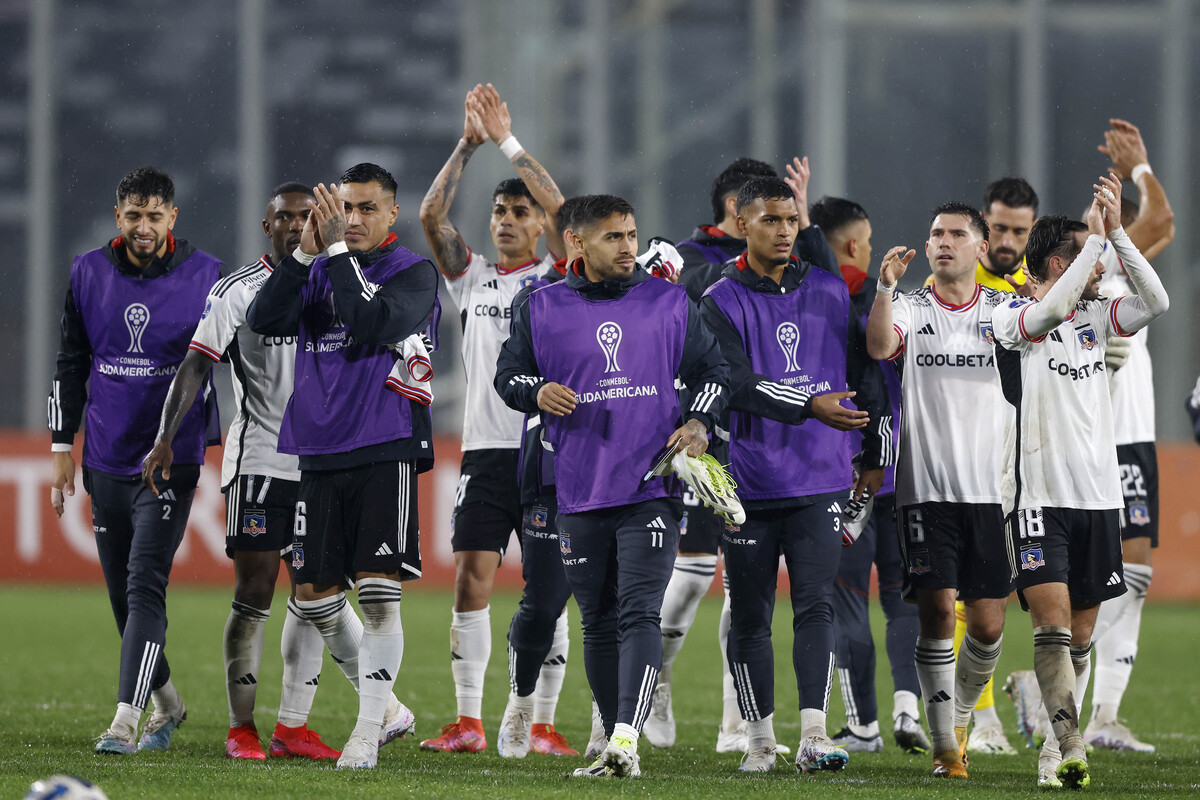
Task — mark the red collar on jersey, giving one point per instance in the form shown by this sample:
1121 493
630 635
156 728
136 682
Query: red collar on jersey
951 307
561 266
714 231
854 277
511 270
742 264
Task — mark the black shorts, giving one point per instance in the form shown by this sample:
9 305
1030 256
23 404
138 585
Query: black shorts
361 519
260 514
1139 485
487 507
701 528
1067 545
955 546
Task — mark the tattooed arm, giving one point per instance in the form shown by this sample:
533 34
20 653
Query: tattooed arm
449 249
493 115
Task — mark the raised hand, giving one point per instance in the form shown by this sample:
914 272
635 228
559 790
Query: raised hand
828 409
473 132
310 237
1123 144
492 112
798 175
330 214
895 264
1108 196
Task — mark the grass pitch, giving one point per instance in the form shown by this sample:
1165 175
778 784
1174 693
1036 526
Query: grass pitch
58 673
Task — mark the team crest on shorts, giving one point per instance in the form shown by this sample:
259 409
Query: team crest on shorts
1139 513
683 524
539 517
1087 338
985 332
564 542
254 523
919 566
297 557
1031 559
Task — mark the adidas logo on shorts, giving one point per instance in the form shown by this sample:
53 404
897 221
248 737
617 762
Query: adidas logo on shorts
657 524
1113 580
383 550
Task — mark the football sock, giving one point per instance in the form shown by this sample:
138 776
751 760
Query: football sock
470 648
242 647
302 648
340 628
904 702
812 722
1056 677
689 581
1117 649
379 653
625 729
986 717
1081 661
976 663
125 723
935 672
760 732
731 715
554 670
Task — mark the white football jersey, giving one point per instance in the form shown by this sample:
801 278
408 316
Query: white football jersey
952 415
1060 452
1132 386
264 370
484 294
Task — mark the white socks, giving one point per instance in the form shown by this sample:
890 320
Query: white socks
379 653
242 646
935 672
689 582
731 715
976 663
554 670
760 732
1116 640
1057 678
302 649
470 648
340 628
812 722
905 702
125 723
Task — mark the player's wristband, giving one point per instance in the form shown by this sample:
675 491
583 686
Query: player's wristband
303 257
337 248
60 447
884 288
511 147
1141 169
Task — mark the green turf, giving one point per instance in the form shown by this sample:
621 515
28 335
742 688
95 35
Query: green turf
58 669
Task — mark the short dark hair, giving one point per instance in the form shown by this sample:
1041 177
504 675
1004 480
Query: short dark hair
974 218
367 172
591 208
1012 192
564 218
1050 236
144 183
733 178
290 187
832 214
514 187
763 189
1129 211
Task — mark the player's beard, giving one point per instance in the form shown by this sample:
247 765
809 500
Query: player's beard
1005 260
